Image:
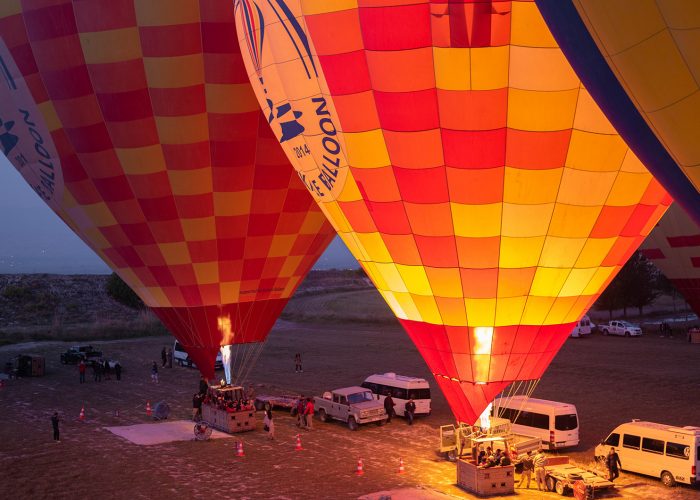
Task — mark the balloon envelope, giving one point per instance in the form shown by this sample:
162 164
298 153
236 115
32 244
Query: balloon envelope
640 62
135 121
461 161
674 247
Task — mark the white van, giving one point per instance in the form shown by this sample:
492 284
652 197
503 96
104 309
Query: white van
555 423
183 359
659 450
582 328
402 389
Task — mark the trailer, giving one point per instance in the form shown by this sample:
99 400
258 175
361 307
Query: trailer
457 441
563 478
286 401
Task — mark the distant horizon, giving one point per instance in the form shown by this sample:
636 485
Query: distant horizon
34 240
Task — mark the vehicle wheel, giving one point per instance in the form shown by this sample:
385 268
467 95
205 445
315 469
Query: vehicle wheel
451 455
559 488
352 424
179 362
322 415
667 479
627 334
551 483
605 332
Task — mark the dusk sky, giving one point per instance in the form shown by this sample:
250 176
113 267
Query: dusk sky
34 240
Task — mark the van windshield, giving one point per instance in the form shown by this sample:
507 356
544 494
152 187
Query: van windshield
565 422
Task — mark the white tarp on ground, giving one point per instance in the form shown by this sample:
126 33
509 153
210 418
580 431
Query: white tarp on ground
407 494
161 432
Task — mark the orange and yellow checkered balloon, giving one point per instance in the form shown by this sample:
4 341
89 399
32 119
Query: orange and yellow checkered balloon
460 159
135 121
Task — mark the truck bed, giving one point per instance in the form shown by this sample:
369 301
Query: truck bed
590 478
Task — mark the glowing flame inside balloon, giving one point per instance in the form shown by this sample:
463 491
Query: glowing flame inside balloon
226 359
483 335
485 418
224 323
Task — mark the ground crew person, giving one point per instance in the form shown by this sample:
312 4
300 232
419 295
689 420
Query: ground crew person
540 461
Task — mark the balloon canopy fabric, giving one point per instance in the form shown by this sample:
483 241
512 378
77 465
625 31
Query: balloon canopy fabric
460 159
641 64
674 247
135 121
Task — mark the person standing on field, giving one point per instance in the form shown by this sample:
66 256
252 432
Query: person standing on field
528 466
410 410
309 413
54 424
154 373
81 371
540 462
163 357
614 464
297 363
389 407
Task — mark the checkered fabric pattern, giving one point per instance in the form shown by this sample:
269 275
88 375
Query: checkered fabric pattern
653 50
172 174
674 247
481 188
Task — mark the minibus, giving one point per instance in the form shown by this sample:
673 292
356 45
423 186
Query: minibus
555 423
582 328
663 451
401 388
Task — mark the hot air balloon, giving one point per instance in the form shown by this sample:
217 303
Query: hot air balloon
674 247
640 62
135 121
460 159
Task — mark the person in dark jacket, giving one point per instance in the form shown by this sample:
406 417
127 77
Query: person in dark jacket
197 407
614 464
389 407
203 385
106 370
54 424
118 370
410 410
164 357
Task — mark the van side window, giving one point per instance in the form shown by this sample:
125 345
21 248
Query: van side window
565 422
653 445
613 439
678 450
540 421
630 441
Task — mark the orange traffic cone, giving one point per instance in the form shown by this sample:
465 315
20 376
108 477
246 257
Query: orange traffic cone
298 446
239 449
148 408
81 417
401 469
360 467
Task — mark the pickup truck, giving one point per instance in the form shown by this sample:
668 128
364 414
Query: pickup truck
353 405
621 328
85 352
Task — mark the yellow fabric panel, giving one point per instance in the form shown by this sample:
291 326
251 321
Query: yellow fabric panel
528 27
375 247
590 117
175 253
572 221
480 312
576 282
206 272
48 111
157 296
415 279
391 276
523 186
657 63
515 282
678 128
174 72
541 111
554 72
452 311
191 182
548 281
561 310
166 12
310 7
520 252
230 292
632 164
595 152
585 188
143 160
101 47
350 190
489 68
333 213
406 304
100 214
291 264
390 299
444 282
536 310
561 252
367 149
96 239
427 308
281 243
620 24
688 43
228 204
10 8
600 276
594 251
509 310
452 68
201 229
678 15
183 129
522 221
628 189
476 220
231 98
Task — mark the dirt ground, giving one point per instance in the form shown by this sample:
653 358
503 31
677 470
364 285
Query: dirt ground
610 379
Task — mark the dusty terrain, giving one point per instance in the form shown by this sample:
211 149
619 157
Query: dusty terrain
610 379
